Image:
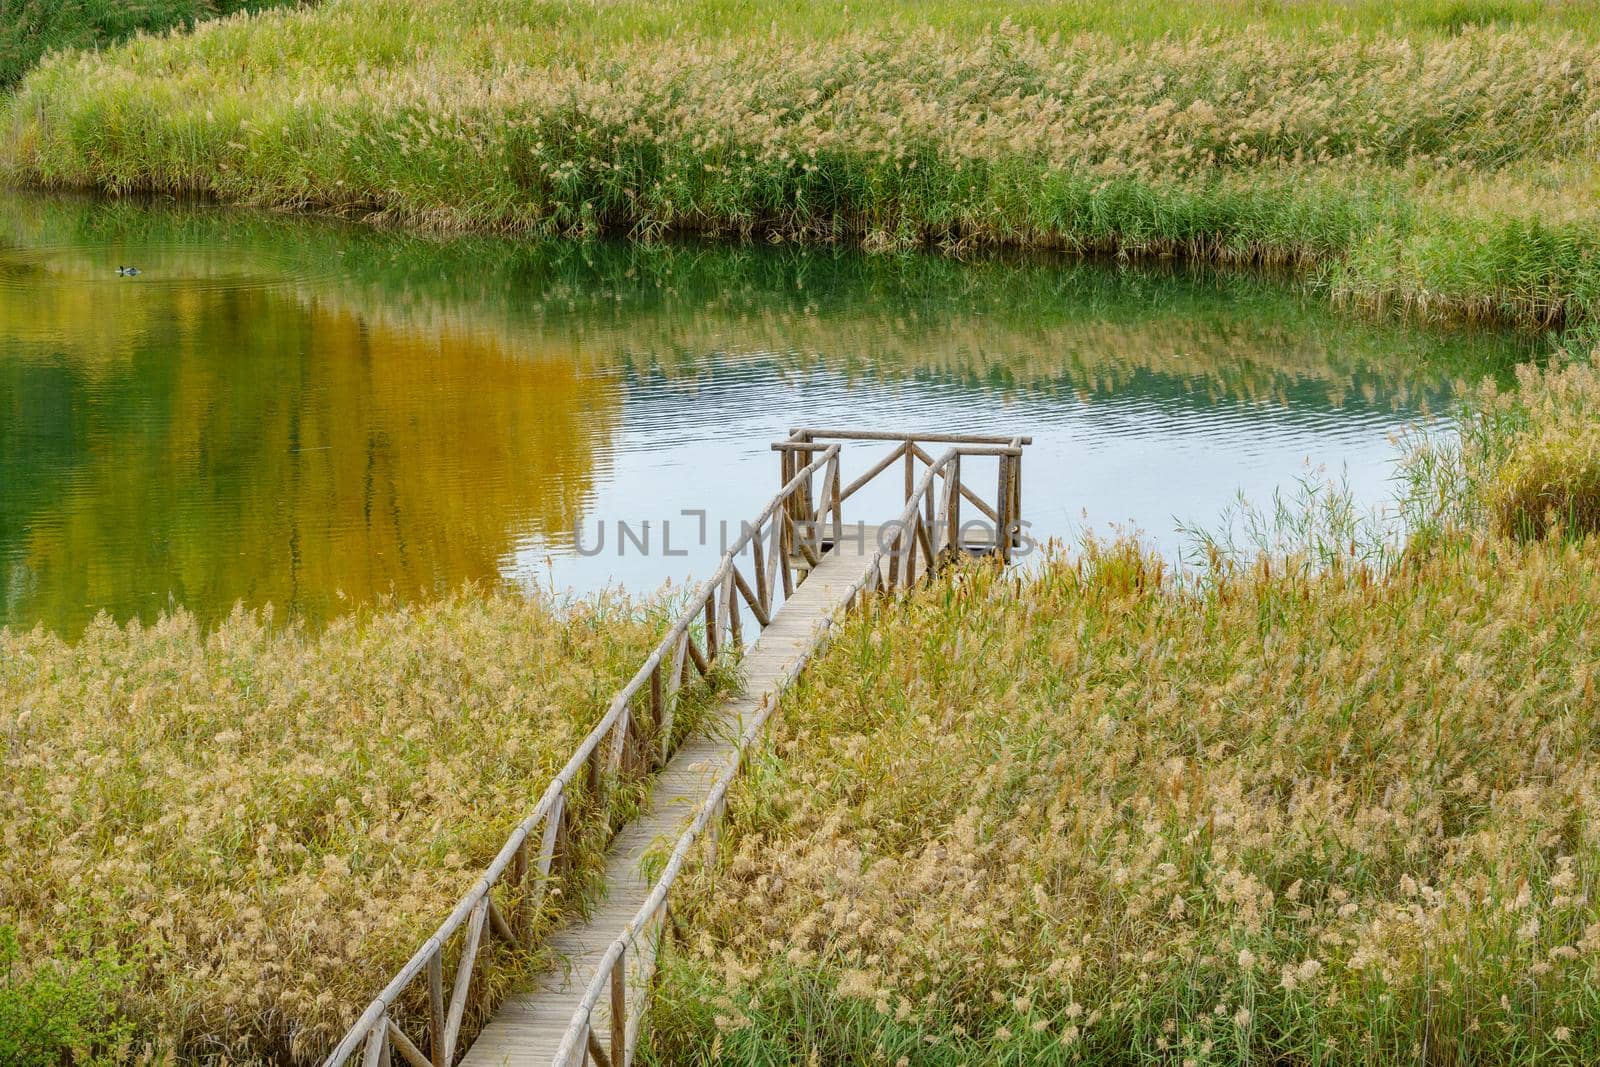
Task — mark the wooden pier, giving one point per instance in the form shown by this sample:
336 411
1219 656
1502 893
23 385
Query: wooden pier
795 570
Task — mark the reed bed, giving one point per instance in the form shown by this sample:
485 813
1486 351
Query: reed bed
1273 813
1401 166
30 29
231 840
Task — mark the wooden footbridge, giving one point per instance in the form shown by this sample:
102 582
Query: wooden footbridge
794 570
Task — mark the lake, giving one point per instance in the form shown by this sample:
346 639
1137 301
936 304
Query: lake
315 416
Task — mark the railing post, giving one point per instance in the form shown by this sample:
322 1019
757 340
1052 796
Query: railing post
953 495
838 503
436 1008
758 559
1016 498
808 498
619 1010
911 472
1002 509
376 1053
657 702
711 625
519 869
894 561
786 470
911 549
459 992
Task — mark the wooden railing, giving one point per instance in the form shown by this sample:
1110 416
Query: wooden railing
635 736
1003 517
929 528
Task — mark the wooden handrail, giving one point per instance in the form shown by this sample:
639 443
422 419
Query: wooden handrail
811 434
373 1026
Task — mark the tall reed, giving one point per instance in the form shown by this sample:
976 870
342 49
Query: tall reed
259 825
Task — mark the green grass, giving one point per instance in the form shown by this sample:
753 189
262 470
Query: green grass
31 28
60 1011
1434 157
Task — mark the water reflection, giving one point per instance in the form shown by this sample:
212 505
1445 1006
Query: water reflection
311 415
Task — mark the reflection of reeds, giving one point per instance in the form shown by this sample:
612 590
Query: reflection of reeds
1343 156
273 448
1036 323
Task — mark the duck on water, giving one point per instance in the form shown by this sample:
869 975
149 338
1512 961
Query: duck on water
127 272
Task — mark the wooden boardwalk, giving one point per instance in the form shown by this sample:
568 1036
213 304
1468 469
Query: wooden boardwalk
788 573
529 1028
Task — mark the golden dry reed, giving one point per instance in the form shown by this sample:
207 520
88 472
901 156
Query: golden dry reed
262 825
1449 172
1098 814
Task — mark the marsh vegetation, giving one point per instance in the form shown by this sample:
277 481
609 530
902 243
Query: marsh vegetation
1280 810
219 843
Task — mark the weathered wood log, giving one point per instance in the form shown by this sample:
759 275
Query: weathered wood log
702 662
712 625
376 1053
753 599
872 472
763 602
408 1052
436 1016
463 982
498 923
812 434
619 1009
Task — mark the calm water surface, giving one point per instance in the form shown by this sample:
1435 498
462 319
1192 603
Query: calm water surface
315 416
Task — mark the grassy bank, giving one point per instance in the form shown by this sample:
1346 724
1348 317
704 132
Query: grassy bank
223 845
1394 157
31 28
1274 814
